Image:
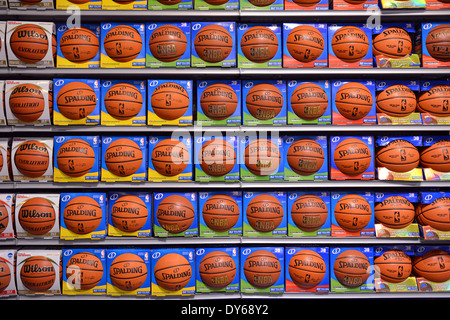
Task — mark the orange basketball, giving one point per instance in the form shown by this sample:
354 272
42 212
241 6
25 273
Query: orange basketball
398 155
353 100
436 214
213 43
169 2
393 266
393 42
307 268
128 272
170 101
218 101
123 157
38 273
357 1
352 157
79 1
5 275
37 216
129 213
217 157
397 101
75 157
123 101
122 43
261 3
30 2
217 269
436 156
433 266
437 42
353 213
82 215
264 213
32 158
220 212
216 2
306 3
395 212
172 272
29 43
309 101
262 157
351 268
27 102
350 44
167 43
435 101
264 101
4 219
175 214
305 43
84 271
170 157
79 44
305 156
262 269
259 44
309 212
419 214
76 100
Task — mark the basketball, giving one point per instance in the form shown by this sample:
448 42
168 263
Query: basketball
264 213
264 101
395 212
123 157
170 157
307 269
129 213
75 157
76 100
217 270
38 273
172 272
217 157
352 157
309 101
122 43
353 101
305 156
435 101
5 275
261 3
398 156
259 44
4 219
175 214
170 101
167 43
79 45
27 102
220 212
32 158
309 212
306 3
433 266
305 43
419 213
437 42
84 271
29 43
262 269
436 156
213 43
396 101
350 44
37 216
82 215
123 101
169 2
393 266
393 42
128 272
262 157
356 1
216 2
352 213
436 214
351 268
218 101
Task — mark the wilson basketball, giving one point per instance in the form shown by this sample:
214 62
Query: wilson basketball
262 269
75 157
217 157
259 44
397 101
29 43
350 44
79 44
393 266
84 271
82 215
122 43
4 219
129 213
38 273
218 101
353 213
437 156
305 43
393 42
170 157
123 101
76 100
307 269
264 101
170 101
217 269
213 43
172 272
262 157
309 212
433 266
175 214
353 100
37 216
437 42
436 214
395 212
309 101
264 213
167 43
305 156
27 102
5 275
398 156
123 157
351 268
352 157
435 101
128 272
32 158
220 212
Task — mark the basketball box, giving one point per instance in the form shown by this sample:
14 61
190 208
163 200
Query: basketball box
169 45
262 270
124 158
435 157
78 47
217 269
4 159
437 5
400 4
76 102
90 5
306 5
309 214
170 158
83 216
220 213
216 5
175 214
433 102
76 159
260 45
7 203
129 214
124 5
264 213
3 57
432 44
128 272
307 269
170 102
7 269
169 5
219 103
261 5
354 5
84 271
37 215
122 45
173 271
123 103
431 268
432 215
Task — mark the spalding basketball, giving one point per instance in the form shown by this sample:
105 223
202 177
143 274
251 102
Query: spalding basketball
350 44
261 3
167 43
305 156
264 213
353 213
170 157
437 156
128 272
217 157
38 273
216 2
82 215
79 44
353 100
264 101
309 212
436 214
129 213
262 269
218 101
27 102
175 214
435 101
76 100
309 101
213 43
305 43
433 266
123 157
397 101
75 157
393 42
169 2
29 43
5 275
123 101
122 43
355 1
307 269
37 216
220 212
4 218
437 42
217 269
259 44
393 266
306 3
32 158
170 101
395 212
351 268
172 272
262 157
84 270
398 156
352 157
